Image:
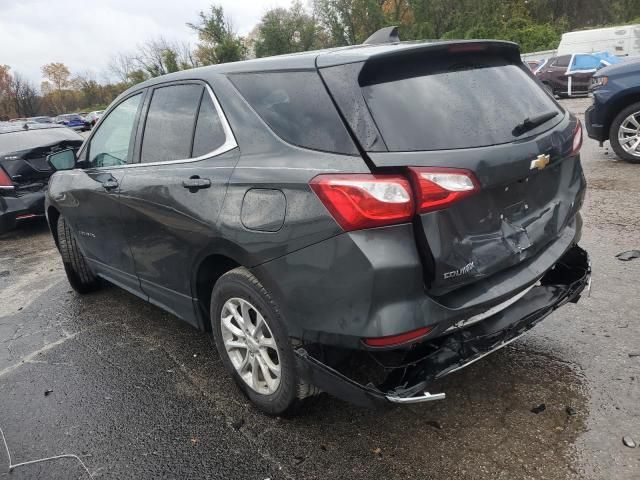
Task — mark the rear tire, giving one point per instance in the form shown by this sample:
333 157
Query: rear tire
265 347
80 276
620 129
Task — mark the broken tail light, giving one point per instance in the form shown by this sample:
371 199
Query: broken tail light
438 188
358 201
5 181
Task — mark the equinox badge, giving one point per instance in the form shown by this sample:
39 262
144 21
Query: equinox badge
540 162
461 271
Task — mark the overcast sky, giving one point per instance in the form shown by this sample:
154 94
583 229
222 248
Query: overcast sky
84 35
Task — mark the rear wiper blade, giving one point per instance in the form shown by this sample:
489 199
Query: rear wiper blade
530 123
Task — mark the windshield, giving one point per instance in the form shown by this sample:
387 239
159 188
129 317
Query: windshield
456 104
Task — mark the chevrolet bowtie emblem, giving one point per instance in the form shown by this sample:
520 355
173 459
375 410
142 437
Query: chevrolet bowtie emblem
540 162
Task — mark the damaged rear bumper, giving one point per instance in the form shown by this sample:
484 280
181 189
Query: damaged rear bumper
407 381
15 208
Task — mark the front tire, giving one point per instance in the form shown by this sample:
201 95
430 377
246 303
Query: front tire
80 276
624 134
253 343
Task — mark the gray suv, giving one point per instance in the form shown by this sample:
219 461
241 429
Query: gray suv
360 221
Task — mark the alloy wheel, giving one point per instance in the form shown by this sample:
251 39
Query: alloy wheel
629 134
250 345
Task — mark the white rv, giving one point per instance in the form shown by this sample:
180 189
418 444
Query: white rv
621 41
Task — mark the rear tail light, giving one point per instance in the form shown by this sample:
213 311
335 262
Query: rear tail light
5 181
359 201
438 188
395 340
577 139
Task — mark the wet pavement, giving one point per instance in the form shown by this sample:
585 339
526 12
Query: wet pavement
135 393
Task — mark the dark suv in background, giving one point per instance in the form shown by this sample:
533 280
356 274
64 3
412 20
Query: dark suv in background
361 221
615 113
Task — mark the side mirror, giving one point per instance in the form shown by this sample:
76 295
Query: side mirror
63 160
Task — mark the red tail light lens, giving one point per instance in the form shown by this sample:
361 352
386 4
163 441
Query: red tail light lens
438 188
360 201
577 139
5 181
395 340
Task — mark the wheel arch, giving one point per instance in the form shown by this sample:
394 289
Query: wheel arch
208 268
617 105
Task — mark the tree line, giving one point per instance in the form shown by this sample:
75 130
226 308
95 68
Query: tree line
534 24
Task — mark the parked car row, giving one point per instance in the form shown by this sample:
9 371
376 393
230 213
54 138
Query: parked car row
80 121
71 120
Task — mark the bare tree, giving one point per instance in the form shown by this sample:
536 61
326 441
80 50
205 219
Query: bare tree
186 57
24 95
121 65
6 107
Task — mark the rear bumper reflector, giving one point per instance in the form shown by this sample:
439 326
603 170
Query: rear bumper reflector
397 340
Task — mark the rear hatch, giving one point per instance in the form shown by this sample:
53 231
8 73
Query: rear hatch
473 107
23 154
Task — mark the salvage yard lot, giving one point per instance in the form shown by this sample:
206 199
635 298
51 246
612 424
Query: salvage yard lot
135 393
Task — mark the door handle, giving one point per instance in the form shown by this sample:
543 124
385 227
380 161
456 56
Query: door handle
195 183
110 184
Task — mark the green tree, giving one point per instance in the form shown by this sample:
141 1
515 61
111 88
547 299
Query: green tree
350 22
290 30
170 60
218 43
136 76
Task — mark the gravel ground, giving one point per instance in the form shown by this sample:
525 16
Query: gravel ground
135 393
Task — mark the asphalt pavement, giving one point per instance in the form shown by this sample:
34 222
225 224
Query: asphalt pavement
132 392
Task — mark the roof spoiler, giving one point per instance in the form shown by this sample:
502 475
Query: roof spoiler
384 35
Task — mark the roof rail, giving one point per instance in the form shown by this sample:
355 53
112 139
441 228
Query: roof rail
384 35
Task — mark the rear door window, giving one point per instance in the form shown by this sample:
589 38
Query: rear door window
171 119
209 133
298 109
454 103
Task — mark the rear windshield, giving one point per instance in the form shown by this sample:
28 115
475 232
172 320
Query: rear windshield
454 103
27 139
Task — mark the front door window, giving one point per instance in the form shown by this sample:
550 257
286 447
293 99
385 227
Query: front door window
112 143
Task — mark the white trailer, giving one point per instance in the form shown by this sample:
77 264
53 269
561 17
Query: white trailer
621 41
